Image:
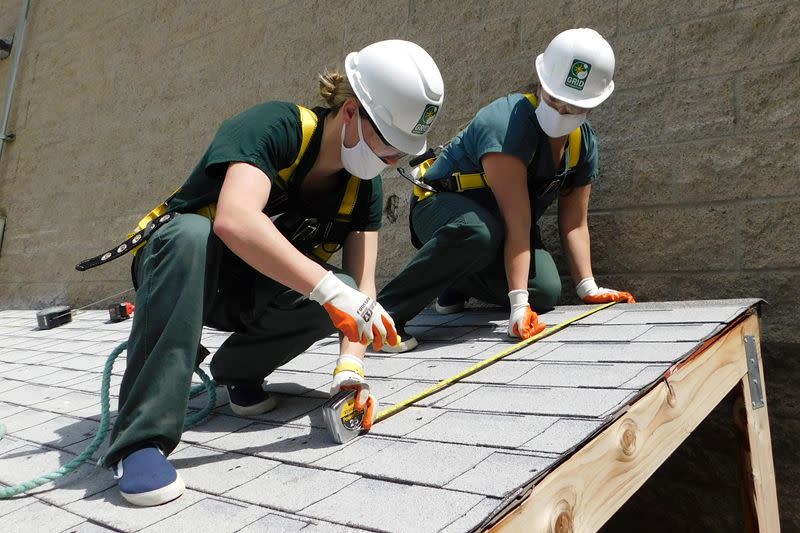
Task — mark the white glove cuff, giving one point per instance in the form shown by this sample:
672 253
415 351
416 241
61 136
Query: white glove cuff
349 358
518 298
325 289
585 287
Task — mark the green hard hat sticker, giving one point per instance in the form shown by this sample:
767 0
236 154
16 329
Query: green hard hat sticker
578 72
425 121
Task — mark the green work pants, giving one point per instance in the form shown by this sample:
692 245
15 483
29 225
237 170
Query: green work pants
463 249
186 279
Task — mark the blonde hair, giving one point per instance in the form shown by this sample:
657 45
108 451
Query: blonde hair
334 89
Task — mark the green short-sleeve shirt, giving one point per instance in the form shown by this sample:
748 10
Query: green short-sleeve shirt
268 136
509 125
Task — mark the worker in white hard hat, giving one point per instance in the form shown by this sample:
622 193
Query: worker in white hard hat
245 248
477 232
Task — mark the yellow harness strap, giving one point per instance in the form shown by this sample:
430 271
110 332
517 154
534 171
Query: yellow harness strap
308 123
466 182
325 250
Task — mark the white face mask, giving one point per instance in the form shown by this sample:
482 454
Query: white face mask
360 160
555 124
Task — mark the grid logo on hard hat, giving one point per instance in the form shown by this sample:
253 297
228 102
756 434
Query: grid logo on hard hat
578 72
425 121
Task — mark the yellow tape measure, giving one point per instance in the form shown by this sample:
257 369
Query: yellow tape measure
386 413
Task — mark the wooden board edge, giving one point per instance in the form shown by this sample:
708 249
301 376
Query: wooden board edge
757 469
585 491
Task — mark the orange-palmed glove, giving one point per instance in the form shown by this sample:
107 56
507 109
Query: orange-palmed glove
523 322
355 314
590 293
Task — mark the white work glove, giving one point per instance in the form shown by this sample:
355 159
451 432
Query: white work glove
590 293
348 373
523 322
355 314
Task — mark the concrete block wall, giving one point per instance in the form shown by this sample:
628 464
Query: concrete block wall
116 101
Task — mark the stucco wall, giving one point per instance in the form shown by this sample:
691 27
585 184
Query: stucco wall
116 100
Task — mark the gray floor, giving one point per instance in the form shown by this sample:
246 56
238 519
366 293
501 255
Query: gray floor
448 464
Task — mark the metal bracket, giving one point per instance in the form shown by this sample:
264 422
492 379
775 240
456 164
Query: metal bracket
753 372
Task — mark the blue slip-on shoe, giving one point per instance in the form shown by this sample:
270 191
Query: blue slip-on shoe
250 399
145 478
449 302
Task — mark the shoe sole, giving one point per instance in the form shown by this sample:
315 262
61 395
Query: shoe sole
158 496
448 309
405 346
256 409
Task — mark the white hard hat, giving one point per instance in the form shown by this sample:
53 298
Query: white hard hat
401 88
577 67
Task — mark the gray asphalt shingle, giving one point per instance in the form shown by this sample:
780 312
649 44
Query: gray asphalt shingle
392 507
442 464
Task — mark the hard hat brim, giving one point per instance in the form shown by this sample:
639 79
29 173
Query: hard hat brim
586 103
408 143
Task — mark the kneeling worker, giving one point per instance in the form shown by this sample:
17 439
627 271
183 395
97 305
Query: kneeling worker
477 235
279 190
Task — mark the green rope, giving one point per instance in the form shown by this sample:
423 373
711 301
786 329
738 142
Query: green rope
207 385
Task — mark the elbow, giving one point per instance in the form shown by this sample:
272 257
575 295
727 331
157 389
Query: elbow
224 228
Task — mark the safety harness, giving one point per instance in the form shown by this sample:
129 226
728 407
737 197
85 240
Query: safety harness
309 235
459 182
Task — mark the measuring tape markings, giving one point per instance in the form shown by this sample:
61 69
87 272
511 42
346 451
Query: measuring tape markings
386 413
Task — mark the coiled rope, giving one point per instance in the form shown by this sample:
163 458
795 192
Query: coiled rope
208 385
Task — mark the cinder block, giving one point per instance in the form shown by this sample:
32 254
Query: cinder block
649 110
483 429
37 514
770 249
637 15
704 167
391 506
500 473
217 472
542 401
563 435
292 488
